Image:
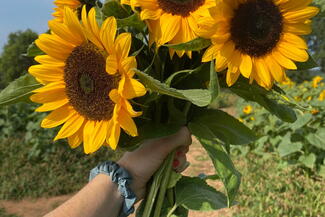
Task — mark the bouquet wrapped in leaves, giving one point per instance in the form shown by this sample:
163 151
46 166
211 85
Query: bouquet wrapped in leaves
116 73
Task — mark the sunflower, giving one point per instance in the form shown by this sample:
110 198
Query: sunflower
316 81
172 21
248 109
322 96
258 39
59 10
88 80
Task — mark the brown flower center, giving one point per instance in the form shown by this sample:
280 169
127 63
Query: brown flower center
88 84
256 27
180 7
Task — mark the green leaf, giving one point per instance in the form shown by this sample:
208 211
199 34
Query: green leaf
115 9
287 147
132 21
199 97
302 121
308 161
19 90
195 194
224 127
321 171
255 93
317 139
175 116
214 86
194 45
185 73
173 179
220 158
33 50
174 75
309 64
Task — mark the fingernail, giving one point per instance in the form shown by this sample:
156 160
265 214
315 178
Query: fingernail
175 163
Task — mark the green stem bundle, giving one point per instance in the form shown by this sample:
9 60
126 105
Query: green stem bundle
158 188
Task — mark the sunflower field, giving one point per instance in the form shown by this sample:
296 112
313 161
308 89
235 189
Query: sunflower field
109 75
299 143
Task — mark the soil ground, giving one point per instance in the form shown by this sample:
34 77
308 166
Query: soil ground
38 207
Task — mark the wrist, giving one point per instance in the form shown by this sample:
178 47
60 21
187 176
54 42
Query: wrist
121 179
138 186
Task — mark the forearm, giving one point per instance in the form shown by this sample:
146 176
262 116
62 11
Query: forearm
99 198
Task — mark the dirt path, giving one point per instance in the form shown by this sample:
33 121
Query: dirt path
38 207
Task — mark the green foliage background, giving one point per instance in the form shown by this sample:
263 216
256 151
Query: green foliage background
13 61
46 163
302 142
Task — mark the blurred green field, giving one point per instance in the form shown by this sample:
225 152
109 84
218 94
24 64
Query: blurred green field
269 187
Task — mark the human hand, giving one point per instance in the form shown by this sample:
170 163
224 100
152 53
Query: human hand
146 160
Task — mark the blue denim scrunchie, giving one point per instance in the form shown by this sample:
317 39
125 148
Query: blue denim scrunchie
122 178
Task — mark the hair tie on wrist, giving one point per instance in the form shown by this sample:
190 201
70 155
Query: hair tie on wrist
122 178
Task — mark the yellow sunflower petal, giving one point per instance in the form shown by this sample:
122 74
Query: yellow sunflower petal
64 32
221 63
100 132
70 127
49 96
150 14
115 136
128 107
295 40
93 22
54 47
76 139
283 61
127 123
46 72
128 64
289 5
298 28
107 33
50 87
301 15
263 72
48 60
91 36
115 96
210 53
227 50
169 27
88 134
292 52
246 65
50 106
111 64
123 44
276 70
58 117
232 78
72 22
130 88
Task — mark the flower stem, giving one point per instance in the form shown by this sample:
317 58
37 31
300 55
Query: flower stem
172 210
150 200
164 183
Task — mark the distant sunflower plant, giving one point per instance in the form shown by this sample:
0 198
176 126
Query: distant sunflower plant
107 75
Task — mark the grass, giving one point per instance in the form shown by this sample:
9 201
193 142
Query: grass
269 190
4 214
55 173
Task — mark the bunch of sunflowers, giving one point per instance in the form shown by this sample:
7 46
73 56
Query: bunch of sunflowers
115 73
